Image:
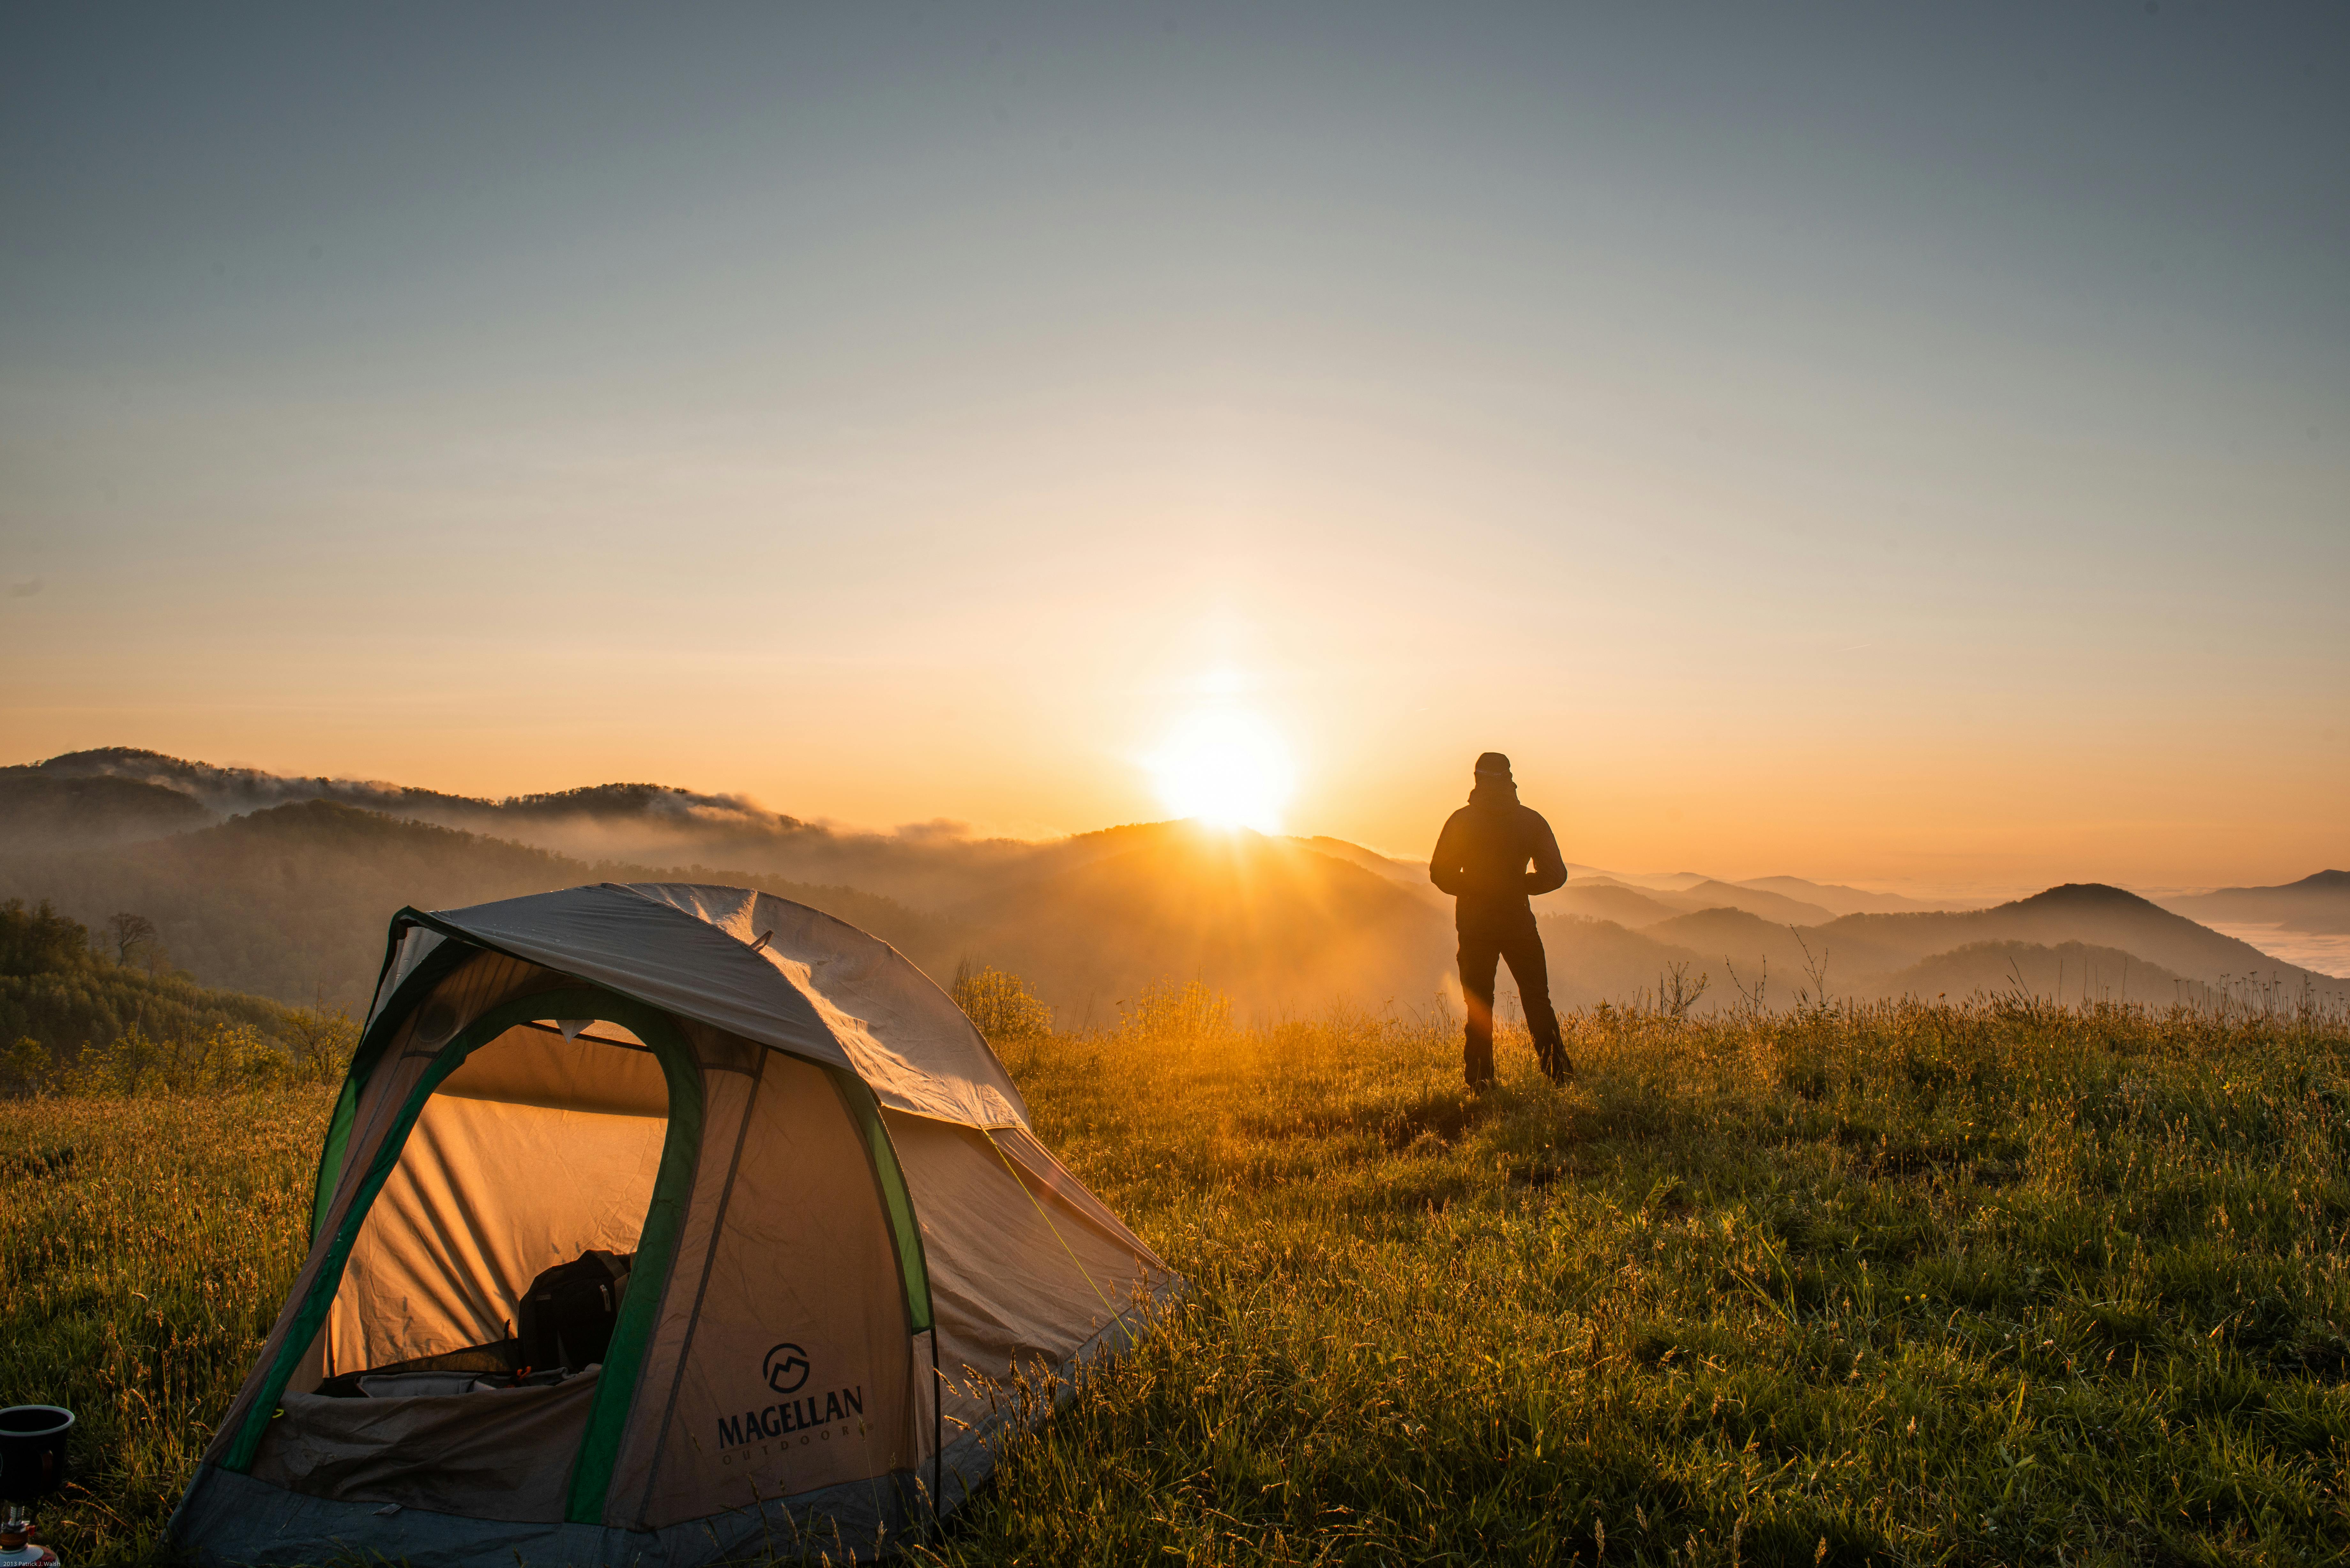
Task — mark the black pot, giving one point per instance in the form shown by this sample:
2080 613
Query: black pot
33 1450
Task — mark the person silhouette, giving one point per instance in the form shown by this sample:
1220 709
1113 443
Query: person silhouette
1481 858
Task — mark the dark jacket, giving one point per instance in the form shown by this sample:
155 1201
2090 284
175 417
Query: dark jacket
1481 860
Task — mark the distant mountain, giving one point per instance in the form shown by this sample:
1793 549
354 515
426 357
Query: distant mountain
1770 906
640 824
2087 912
1607 900
1740 956
1873 955
1840 900
122 793
1592 962
289 897
1597 895
1274 925
2069 972
1661 881
228 792
2319 904
291 902
1411 875
1752 947
39 811
1592 894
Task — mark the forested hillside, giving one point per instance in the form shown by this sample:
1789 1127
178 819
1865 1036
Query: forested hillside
634 825
58 990
293 902
38 812
1277 926
290 900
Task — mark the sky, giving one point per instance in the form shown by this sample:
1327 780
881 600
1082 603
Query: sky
1898 445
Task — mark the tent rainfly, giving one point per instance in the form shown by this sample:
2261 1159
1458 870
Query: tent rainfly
830 1242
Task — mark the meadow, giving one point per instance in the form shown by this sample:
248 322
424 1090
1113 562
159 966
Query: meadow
1990 1282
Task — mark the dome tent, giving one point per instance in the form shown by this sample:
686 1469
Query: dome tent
843 1240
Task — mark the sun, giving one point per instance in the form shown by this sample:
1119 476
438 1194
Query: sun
1226 766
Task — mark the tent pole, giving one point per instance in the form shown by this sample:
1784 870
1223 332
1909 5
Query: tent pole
938 1434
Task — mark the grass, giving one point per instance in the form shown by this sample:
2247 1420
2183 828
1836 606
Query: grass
1988 1284
145 1244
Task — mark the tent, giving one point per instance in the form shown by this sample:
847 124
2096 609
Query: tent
847 1251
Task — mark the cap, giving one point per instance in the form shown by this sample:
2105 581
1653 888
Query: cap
1494 763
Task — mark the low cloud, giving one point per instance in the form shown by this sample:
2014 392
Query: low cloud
937 830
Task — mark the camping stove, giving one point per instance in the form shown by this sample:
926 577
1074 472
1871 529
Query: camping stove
17 1547
32 1466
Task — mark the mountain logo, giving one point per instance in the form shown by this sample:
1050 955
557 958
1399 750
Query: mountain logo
787 1368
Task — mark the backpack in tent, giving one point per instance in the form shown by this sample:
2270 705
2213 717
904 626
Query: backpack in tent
769 1196
568 1313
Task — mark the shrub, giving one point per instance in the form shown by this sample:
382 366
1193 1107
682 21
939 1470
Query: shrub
235 1057
24 1069
1169 1012
320 1044
1000 1004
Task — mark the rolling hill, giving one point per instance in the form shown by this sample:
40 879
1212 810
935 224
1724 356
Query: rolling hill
1607 900
2319 904
291 902
120 793
56 990
1838 901
289 899
1592 962
2087 912
636 823
1278 927
1770 906
1754 947
2067 972
1594 894
2132 947
1411 874
38 812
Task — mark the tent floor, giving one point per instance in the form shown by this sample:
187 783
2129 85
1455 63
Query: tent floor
228 1518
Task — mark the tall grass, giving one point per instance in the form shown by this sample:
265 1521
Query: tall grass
145 1243
1996 1283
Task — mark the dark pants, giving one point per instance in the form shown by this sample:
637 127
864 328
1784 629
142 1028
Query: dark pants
1481 951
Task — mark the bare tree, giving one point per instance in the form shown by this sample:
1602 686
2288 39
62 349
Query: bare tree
1675 994
1752 1001
131 932
1817 968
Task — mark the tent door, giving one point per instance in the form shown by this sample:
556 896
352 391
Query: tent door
656 1241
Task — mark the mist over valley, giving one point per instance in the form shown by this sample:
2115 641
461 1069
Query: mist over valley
280 886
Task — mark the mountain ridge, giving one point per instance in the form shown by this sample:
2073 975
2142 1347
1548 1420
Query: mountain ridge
2319 904
288 899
